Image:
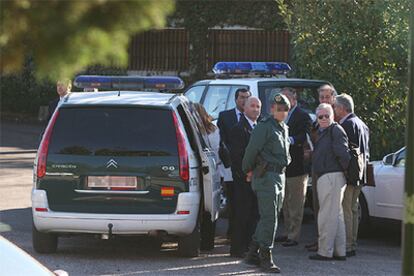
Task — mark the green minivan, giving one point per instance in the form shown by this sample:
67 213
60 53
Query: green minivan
125 163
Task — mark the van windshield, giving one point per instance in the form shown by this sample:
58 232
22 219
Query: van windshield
307 95
114 131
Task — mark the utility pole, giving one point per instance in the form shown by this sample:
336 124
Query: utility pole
408 230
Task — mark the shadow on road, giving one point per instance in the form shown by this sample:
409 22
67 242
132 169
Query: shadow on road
20 136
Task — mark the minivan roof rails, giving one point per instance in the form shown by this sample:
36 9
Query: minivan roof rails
129 82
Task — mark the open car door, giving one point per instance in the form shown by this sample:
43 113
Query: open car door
209 163
211 183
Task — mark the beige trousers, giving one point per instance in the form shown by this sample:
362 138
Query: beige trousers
331 226
293 204
350 206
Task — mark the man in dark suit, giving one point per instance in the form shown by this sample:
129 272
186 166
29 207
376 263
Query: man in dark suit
226 120
299 123
246 213
327 94
63 87
358 134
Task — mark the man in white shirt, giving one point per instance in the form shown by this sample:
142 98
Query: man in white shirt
226 120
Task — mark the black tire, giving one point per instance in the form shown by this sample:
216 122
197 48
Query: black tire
189 246
363 217
208 232
153 244
44 243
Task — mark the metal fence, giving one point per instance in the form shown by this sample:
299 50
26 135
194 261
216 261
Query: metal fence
168 49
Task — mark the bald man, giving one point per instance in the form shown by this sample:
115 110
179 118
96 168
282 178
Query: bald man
245 208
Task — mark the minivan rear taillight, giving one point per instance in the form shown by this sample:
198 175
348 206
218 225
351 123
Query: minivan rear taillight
182 150
44 147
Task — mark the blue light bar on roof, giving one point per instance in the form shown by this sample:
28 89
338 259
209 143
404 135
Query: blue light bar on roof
128 82
243 68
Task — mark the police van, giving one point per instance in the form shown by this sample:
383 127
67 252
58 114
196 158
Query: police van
125 162
263 79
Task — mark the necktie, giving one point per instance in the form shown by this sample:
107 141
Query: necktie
254 125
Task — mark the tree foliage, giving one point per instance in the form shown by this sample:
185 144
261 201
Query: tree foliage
64 37
361 46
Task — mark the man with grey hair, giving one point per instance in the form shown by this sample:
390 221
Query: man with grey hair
329 161
299 123
358 134
246 213
63 88
327 95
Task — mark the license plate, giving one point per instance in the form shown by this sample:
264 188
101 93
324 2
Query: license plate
113 182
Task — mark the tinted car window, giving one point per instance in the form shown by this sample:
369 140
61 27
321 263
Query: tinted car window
400 162
114 131
195 93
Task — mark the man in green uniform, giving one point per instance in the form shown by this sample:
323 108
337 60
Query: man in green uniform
265 161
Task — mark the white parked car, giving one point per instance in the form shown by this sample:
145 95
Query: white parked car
385 200
15 261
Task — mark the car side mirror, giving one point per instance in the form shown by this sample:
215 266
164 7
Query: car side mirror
389 159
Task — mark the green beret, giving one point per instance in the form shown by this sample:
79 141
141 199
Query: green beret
281 99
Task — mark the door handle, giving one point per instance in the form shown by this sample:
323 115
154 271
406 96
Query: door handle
206 169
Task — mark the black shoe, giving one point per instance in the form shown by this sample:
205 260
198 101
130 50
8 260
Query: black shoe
252 256
350 253
266 261
281 238
339 258
289 243
318 257
240 255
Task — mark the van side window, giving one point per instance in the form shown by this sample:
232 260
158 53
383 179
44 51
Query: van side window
216 99
219 98
195 93
187 127
188 121
201 130
231 102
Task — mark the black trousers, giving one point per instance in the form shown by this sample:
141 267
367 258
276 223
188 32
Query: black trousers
228 186
245 215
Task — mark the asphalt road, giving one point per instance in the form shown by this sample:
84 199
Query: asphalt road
379 254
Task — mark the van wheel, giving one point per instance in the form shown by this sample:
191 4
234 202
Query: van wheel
363 216
208 232
44 242
189 246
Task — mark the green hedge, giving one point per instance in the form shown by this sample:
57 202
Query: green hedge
24 94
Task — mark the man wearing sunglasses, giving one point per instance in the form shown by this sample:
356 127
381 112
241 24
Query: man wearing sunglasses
329 161
265 161
327 95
